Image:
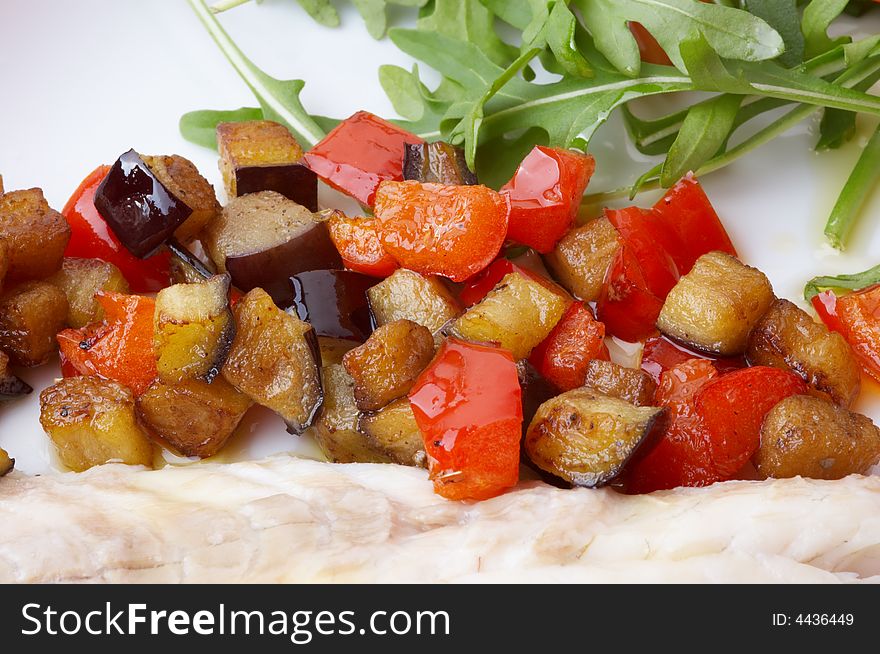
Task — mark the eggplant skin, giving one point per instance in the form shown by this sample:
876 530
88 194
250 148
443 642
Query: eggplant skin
7 463
293 181
142 213
11 387
333 302
438 163
628 384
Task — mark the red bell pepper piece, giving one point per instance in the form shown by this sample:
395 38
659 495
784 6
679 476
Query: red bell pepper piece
478 286
577 339
440 229
660 354
468 406
359 153
825 304
859 316
120 348
358 243
650 242
649 49
545 193
91 238
626 306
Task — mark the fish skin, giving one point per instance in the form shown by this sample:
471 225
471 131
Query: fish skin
284 519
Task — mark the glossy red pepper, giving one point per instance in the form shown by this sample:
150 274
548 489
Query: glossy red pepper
859 316
478 286
649 49
468 406
577 339
825 304
545 193
650 242
660 354
626 306
91 238
359 153
357 240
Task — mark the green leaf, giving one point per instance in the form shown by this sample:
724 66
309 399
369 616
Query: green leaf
862 181
818 16
839 127
200 127
322 11
553 25
469 20
497 159
517 13
403 89
783 16
653 137
612 37
854 282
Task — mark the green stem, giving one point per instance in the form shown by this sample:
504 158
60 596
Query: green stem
861 182
224 5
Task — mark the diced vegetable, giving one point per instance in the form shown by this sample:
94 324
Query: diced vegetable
581 259
185 267
387 365
35 235
517 315
626 306
193 330
81 280
333 301
857 315
6 462
357 241
478 286
468 406
587 438
5 257
333 349
438 163
825 305
181 177
787 337
562 358
407 295
545 194
30 316
393 430
435 229
193 417
714 307
11 387
261 155
274 360
92 421
139 209
627 384
651 243
807 436
660 354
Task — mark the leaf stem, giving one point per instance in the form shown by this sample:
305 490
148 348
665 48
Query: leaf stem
861 183
224 5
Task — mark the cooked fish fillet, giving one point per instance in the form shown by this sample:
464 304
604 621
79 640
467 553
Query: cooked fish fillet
284 519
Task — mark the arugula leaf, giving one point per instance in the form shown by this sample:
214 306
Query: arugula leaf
783 16
854 282
653 137
403 89
553 25
200 127
375 13
517 13
818 16
862 181
838 127
468 20
322 11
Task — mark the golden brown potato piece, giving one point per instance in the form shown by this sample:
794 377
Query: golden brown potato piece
407 295
517 314
586 438
808 436
6 463
393 430
193 417
30 316
386 366
194 330
274 360
787 337
92 421
333 349
36 234
182 178
81 279
713 308
582 257
627 384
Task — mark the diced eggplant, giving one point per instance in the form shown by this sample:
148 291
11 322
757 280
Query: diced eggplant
5 257
336 430
261 155
142 213
517 314
787 337
92 421
407 295
393 430
535 390
438 162
808 436
193 417
181 177
81 279
275 360
185 266
35 235
6 462
387 365
627 384
194 330
714 307
581 259
30 316
587 438
333 349
334 302
11 387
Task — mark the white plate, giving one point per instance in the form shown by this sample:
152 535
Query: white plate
83 81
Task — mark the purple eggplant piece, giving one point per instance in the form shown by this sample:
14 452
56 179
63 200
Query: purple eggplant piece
141 212
333 301
181 256
294 181
437 162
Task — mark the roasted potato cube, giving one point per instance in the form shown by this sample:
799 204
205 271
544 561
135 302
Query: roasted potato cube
194 330
386 366
193 417
6 463
627 384
275 360
582 257
92 421
336 430
393 430
787 337
713 308
182 178
81 279
586 438
808 436
35 234
30 316
407 295
517 314
11 387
